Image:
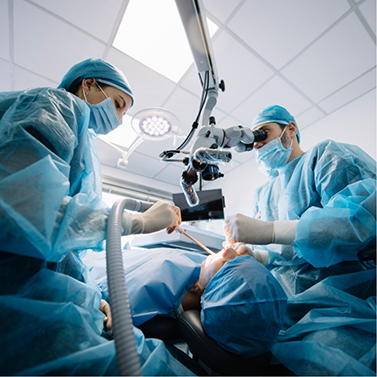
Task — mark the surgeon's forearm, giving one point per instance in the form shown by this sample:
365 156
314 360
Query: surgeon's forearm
285 232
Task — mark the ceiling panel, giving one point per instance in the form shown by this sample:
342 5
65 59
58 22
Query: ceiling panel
4 30
309 56
308 117
144 165
243 157
97 17
154 148
6 74
352 91
240 70
149 87
191 81
107 154
345 53
171 173
184 106
221 9
44 44
26 79
270 26
275 91
368 10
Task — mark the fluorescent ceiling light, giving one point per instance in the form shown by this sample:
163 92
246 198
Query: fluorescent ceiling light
152 33
124 135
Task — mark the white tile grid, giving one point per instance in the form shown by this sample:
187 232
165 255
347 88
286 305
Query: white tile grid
270 26
94 16
368 10
44 44
343 54
334 70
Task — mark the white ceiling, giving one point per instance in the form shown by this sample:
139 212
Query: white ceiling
310 56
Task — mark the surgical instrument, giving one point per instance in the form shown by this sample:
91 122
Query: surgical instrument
180 230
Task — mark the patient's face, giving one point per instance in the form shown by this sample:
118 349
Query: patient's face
212 264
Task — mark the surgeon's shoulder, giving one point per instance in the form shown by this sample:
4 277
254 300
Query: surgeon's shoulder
66 97
327 149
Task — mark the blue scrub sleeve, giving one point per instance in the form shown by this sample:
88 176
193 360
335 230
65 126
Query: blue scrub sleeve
345 181
50 188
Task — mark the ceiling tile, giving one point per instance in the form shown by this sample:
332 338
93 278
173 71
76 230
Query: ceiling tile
354 124
107 154
308 117
6 74
154 148
150 88
26 79
144 165
94 16
38 34
275 92
4 31
191 81
221 9
244 156
241 71
227 122
343 54
350 92
368 10
171 174
184 106
279 30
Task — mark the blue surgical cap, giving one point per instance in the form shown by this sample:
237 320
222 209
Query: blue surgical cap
276 114
243 307
102 71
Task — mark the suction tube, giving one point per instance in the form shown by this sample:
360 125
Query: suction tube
125 343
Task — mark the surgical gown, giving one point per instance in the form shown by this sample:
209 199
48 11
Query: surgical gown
330 326
50 213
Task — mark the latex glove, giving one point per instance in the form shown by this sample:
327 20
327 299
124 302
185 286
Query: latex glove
161 215
260 255
240 228
105 309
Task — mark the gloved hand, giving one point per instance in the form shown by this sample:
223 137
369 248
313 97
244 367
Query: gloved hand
260 255
107 321
240 228
161 215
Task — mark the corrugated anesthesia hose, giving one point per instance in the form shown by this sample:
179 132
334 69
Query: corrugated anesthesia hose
125 343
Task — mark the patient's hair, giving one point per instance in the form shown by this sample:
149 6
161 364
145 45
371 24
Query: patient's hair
243 307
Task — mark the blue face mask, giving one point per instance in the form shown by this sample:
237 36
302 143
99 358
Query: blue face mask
273 155
103 116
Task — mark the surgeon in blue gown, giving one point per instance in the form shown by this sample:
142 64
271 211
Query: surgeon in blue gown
51 212
310 221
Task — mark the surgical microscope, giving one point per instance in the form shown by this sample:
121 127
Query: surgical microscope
212 144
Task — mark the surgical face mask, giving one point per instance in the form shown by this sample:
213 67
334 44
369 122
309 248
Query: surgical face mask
273 155
103 116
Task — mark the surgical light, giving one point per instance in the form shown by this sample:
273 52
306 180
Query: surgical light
155 124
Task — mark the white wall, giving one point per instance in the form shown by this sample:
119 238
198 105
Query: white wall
352 124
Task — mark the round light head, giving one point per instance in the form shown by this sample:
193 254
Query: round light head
154 124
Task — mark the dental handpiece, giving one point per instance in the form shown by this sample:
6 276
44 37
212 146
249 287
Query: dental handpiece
180 230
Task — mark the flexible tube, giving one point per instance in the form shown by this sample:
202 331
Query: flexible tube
126 350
